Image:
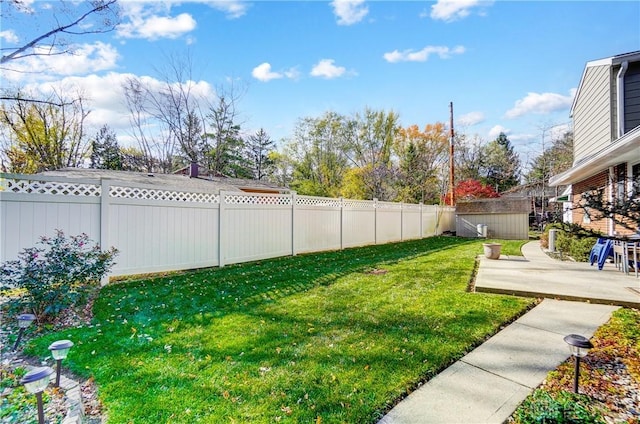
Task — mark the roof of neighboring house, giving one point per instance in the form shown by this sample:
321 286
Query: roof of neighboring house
613 60
624 149
171 181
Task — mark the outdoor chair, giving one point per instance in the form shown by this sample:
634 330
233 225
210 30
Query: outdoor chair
633 253
600 252
621 256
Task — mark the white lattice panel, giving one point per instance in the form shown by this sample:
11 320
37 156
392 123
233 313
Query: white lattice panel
257 199
52 187
389 205
358 204
318 201
141 193
410 207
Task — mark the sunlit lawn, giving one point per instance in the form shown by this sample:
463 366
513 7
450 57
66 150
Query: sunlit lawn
312 338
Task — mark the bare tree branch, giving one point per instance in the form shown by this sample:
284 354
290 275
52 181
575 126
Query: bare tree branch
97 6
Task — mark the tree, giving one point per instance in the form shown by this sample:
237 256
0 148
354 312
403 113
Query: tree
317 154
225 146
105 152
423 155
553 161
43 136
474 189
468 157
622 208
368 145
259 146
500 164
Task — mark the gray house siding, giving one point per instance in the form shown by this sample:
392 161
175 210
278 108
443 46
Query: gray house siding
593 113
632 97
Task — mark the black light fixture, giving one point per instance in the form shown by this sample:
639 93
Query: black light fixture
24 320
35 381
579 347
59 351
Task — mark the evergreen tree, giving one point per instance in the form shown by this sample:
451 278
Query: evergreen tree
500 164
105 152
259 146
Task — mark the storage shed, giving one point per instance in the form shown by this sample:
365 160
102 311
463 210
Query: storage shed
505 218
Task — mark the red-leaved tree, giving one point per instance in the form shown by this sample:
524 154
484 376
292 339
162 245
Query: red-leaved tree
472 189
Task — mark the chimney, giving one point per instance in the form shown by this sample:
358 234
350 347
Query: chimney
193 170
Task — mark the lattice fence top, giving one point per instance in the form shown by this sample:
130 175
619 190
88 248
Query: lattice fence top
141 193
51 187
257 199
358 204
389 205
410 207
318 201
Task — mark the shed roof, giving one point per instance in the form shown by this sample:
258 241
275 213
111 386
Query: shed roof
174 181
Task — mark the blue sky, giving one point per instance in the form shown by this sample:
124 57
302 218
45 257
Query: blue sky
509 66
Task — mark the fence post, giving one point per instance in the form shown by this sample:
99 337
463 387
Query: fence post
104 220
375 220
402 217
221 229
421 221
341 223
294 200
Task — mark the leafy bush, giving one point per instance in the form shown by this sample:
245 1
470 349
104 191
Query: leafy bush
565 408
57 275
576 246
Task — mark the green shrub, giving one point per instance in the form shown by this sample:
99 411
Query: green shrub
56 276
575 246
564 408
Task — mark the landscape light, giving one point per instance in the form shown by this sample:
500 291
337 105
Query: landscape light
59 351
35 381
579 346
24 320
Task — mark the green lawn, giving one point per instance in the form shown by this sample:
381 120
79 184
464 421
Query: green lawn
332 337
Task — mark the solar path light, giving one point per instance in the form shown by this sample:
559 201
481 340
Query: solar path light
579 346
59 351
24 320
35 381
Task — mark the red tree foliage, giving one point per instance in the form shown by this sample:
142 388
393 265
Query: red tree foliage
472 189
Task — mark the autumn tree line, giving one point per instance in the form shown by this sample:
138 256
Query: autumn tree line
365 155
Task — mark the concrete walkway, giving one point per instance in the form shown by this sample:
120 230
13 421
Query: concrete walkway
489 383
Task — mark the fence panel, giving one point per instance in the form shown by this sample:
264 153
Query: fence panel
317 224
358 223
411 221
388 222
255 226
31 208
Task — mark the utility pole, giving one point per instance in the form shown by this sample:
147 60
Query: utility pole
452 182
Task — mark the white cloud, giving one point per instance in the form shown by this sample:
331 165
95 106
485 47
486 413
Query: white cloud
349 12
471 118
540 103
264 73
9 36
326 69
496 130
85 59
232 8
422 55
154 27
452 10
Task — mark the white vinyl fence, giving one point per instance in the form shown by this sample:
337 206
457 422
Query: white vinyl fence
159 229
